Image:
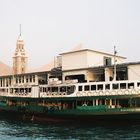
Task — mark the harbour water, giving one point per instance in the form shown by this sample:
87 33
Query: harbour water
15 130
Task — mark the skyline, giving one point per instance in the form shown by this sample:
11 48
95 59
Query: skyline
53 27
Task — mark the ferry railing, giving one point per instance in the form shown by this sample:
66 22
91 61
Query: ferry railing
131 90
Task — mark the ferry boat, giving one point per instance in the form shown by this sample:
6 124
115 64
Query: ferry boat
32 97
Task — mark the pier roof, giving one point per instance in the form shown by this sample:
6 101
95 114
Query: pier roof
91 51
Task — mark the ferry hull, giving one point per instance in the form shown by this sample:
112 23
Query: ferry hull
72 117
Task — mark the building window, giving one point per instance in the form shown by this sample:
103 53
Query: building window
107 61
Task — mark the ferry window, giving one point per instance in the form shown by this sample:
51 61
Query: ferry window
16 80
21 90
73 88
80 88
86 88
100 87
26 90
107 86
22 79
30 78
54 89
93 87
26 79
138 84
4 82
44 89
11 90
7 83
19 79
40 89
130 85
70 89
16 90
62 89
107 61
115 86
1 82
49 89
29 90
33 78
122 85
10 81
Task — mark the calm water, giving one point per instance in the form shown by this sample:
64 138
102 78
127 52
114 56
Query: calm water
29 131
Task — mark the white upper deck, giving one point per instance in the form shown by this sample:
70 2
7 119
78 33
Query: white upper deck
86 58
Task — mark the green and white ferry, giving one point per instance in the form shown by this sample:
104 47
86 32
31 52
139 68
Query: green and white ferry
94 100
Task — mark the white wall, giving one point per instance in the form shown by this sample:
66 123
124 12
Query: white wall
97 59
85 59
74 60
134 72
94 59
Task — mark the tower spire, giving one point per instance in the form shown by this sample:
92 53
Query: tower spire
20 30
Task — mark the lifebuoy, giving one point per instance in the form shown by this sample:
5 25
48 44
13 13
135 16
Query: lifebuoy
83 93
107 92
133 91
126 92
94 93
100 92
113 93
89 94
119 92
77 93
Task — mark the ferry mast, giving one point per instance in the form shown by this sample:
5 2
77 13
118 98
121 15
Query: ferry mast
115 52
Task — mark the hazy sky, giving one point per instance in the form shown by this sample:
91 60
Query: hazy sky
50 27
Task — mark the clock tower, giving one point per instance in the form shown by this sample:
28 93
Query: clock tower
19 58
